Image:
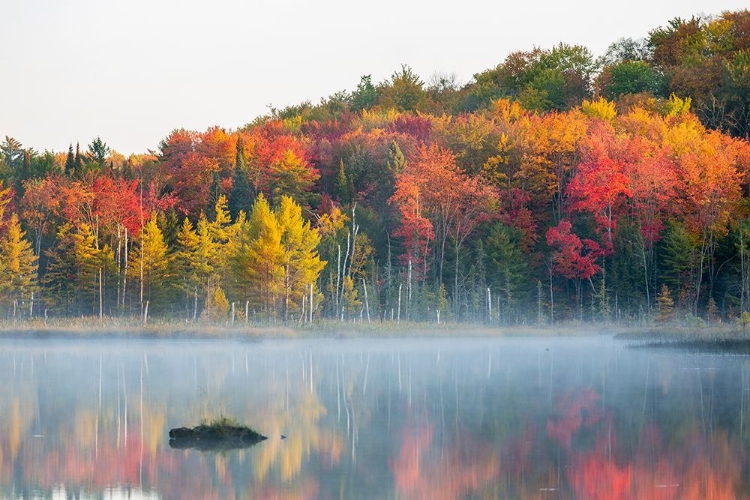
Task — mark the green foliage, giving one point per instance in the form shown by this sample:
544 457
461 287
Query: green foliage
365 96
62 269
630 77
681 263
405 91
454 190
241 195
510 276
98 151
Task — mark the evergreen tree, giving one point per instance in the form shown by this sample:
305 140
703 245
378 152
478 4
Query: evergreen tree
149 262
221 230
169 225
185 264
365 95
70 162
681 264
78 162
256 260
213 196
350 303
241 196
60 277
510 278
343 186
665 304
396 161
98 152
217 305
87 264
300 262
18 264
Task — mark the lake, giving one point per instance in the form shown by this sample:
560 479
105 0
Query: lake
557 418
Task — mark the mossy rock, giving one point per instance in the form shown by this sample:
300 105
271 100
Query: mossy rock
223 434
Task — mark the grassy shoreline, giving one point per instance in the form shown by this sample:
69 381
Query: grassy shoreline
95 328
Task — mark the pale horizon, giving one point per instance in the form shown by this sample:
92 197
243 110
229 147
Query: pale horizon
131 72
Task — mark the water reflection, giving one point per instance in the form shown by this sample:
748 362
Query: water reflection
506 418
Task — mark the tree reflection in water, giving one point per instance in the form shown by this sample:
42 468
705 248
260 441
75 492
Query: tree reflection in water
437 419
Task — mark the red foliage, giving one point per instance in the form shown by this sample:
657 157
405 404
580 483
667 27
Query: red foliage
417 126
573 413
600 185
569 258
516 214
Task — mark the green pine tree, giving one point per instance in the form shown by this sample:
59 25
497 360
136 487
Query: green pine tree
60 278
70 162
78 162
241 196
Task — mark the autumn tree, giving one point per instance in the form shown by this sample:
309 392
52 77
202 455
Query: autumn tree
437 201
300 262
149 263
256 262
186 265
573 258
18 267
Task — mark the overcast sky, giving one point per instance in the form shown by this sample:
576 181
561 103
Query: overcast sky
130 71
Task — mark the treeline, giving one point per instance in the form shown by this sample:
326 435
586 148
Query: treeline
552 187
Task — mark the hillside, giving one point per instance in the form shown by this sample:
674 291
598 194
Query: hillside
555 186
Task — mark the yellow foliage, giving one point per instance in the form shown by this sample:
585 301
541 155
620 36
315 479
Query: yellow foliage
507 110
676 106
601 108
330 223
217 307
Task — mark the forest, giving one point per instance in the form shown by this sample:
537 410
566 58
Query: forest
557 186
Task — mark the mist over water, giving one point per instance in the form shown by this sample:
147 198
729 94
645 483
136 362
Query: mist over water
424 418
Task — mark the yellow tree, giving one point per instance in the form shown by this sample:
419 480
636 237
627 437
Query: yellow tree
150 262
18 266
87 261
5 197
205 256
185 264
301 263
709 184
257 257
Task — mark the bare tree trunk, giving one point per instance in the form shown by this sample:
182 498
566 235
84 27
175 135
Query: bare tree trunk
195 303
101 294
286 292
489 305
119 262
398 315
551 299
338 276
125 271
408 292
388 275
367 303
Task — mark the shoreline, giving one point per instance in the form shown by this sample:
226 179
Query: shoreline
95 329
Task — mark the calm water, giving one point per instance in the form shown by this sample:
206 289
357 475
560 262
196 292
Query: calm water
464 418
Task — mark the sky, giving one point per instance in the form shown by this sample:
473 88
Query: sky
131 71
